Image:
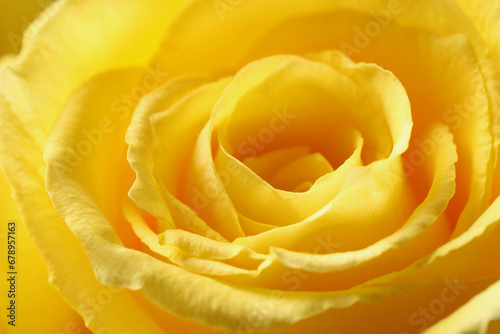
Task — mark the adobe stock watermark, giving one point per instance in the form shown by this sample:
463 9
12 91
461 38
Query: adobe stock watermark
427 314
121 108
363 36
222 7
31 24
293 279
454 117
95 304
250 148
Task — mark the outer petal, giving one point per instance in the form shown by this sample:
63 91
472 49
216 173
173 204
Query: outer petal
468 256
479 315
485 15
70 271
32 92
32 280
57 45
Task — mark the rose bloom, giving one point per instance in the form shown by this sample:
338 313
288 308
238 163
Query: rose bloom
252 166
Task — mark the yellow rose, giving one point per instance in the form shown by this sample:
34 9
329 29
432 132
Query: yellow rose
244 166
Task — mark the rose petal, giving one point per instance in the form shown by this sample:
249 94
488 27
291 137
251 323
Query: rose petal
423 41
283 86
485 15
425 230
57 44
476 316
70 271
31 279
151 190
468 256
178 130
